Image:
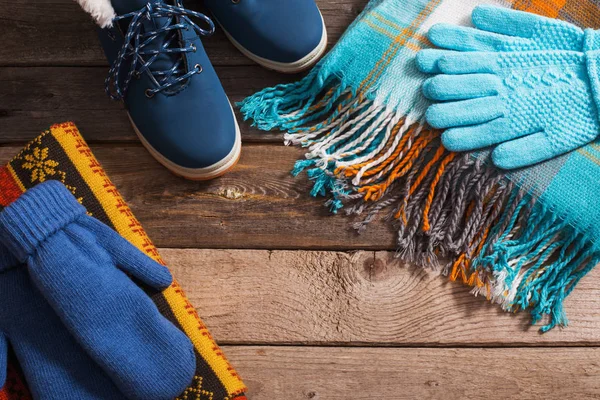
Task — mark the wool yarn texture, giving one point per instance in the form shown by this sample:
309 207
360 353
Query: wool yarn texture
81 267
54 364
509 83
522 239
58 171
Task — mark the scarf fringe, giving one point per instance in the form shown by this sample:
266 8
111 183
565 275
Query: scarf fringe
453 213
356 148
536 261
456 215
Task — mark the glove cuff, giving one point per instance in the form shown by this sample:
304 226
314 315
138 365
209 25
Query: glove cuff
592 56
36 215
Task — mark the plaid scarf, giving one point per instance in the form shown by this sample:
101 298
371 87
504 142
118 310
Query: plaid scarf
523 239
61 153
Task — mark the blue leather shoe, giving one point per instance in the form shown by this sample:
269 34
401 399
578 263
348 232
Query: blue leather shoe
283 35
175 100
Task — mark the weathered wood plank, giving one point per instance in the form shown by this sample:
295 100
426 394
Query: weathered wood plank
58 32
284 297
301 373
258 205
31 98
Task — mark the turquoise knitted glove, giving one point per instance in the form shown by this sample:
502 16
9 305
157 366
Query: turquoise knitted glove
538 104
499 29
503 29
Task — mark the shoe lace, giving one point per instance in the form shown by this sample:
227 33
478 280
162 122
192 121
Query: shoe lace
136 48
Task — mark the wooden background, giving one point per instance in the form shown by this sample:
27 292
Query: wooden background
304 307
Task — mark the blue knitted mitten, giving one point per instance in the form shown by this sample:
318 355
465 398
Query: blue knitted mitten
54 365
81 268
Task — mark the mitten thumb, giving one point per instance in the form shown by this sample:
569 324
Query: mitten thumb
128 257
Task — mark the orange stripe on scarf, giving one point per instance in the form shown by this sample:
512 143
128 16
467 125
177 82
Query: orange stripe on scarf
548 8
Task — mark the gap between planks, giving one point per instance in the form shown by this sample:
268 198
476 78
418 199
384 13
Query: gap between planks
357 299
302 296
58 32
305 373
257 205
36 103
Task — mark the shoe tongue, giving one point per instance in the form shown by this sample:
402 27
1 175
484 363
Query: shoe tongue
126 6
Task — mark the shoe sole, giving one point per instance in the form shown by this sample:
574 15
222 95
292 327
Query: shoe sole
197 174
286 68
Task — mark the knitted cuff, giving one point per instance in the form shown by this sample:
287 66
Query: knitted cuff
592 56
36 215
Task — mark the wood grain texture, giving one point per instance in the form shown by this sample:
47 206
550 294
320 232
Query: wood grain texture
58 32
33 97
294 373
258 205
406 320
304 297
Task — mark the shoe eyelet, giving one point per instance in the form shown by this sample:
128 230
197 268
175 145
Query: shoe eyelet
198 68
235 1
194 48
149 94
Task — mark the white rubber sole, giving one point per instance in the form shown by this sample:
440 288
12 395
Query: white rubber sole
287 68
197 174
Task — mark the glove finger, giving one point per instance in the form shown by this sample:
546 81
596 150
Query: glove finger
130 259
477 137
427 60
3 358
523 152
455 63
505 21
464 113
522 24
461 87
461 38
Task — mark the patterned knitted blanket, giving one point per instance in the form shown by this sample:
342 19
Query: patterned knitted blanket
60 153
522 239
